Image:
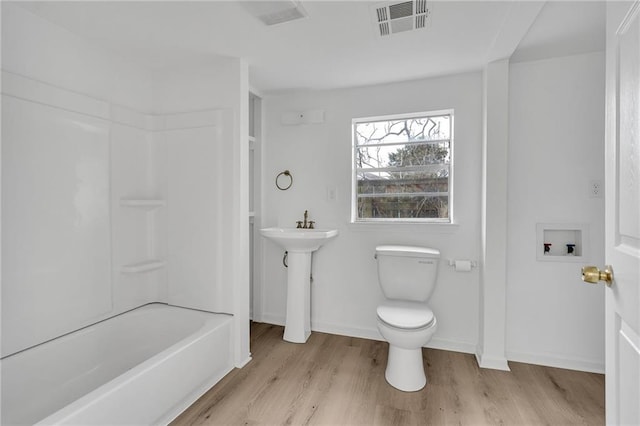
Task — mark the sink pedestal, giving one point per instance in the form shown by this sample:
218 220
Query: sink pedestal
297 327
299 243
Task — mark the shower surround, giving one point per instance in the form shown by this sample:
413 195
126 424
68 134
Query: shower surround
107 207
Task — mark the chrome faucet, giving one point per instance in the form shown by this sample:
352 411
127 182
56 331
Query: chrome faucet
304 224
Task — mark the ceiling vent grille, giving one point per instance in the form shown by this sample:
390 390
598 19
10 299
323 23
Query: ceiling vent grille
396 17
275 12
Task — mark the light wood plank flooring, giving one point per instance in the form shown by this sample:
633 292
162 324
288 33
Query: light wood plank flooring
337 380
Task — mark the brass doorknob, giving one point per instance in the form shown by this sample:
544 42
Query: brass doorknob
591 274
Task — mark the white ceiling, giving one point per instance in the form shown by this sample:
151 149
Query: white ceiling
564 28
336 45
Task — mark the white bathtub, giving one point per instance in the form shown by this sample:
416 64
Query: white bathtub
142 367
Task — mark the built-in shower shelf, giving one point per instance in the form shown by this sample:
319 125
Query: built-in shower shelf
141 267
142 203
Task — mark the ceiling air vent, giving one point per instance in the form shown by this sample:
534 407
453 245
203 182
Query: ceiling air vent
396 17
275 12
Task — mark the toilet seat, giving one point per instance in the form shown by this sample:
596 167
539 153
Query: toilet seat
405 315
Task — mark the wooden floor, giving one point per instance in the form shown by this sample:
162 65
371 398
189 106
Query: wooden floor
336 380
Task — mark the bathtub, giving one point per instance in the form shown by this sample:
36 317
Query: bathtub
141 367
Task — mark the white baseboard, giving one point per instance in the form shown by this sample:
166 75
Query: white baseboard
373 334
272 319
558 361
244 362
484 361
492 362
341 330
452 345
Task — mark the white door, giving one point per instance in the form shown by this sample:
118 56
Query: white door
622 174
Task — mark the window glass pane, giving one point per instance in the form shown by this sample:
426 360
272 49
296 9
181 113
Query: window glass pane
404 155
403 130
403 182
402 167
403 207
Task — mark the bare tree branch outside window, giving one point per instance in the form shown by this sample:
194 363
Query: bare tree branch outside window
402 167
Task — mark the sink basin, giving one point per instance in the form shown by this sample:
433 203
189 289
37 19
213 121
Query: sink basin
299 240
299 243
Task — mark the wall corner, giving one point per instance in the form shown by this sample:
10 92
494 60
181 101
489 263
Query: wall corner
493 271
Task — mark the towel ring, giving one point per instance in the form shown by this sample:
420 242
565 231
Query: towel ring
285 173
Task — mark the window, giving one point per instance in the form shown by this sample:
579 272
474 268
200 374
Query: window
402 168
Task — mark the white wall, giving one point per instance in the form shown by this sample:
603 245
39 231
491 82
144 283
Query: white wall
79 136
210 86
556 147
217 176
493 281
345 290
554 106
135 233
38 49
68 160
56 241
65 212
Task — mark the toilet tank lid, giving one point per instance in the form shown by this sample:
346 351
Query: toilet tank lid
410 251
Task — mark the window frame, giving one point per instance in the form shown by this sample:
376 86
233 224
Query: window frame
354 169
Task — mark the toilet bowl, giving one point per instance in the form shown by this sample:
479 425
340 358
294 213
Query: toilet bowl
407 277
407 327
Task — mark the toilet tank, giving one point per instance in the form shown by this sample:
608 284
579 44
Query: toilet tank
407 272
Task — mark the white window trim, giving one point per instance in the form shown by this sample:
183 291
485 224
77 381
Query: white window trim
354 170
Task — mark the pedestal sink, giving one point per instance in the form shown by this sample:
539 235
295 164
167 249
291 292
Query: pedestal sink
299 243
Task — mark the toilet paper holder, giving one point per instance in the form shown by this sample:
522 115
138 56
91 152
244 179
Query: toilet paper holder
463 265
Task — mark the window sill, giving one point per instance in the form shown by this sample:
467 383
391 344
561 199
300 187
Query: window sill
444 228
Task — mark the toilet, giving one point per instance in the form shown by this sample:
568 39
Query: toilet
407 276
